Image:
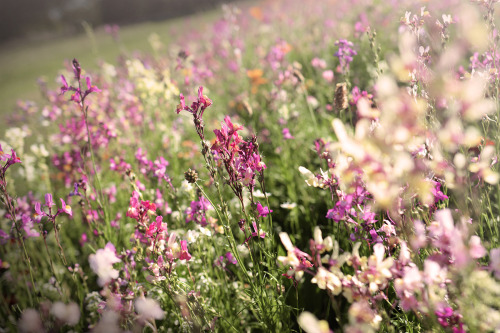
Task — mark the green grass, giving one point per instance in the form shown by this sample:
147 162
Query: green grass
23 63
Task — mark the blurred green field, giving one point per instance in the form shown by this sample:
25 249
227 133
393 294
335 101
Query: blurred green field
23 62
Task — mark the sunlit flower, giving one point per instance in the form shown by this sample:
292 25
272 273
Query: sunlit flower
102 264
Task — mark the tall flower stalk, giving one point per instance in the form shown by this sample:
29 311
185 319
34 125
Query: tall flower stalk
79 96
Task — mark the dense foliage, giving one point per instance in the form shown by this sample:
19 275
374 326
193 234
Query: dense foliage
333 168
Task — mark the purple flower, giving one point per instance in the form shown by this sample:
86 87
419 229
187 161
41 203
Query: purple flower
345 53
48 200
77 69
4 237
75 191
197 211
27 225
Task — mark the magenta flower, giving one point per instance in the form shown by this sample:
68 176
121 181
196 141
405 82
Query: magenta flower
65 87
257 232
286 134
79 95
138 210
263 211
90 87
76 69
182 104
83 239
13 159
38 212
3 155
184 251
197 108
157 227
230 258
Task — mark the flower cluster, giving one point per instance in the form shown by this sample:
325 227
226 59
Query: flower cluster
345 54
241 159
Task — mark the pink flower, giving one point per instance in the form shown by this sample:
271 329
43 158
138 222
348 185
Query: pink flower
66 313
66 208
156 227
476 250
3 155
38 212
90 87
65 86
148 309
48 200
328 76
286 134
27 225
419 240
83 239
182 104
184 251
495 262
318 63
230 258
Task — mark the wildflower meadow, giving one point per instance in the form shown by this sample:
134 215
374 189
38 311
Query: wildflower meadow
293 166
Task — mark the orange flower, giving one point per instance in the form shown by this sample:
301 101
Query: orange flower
256 13
256 78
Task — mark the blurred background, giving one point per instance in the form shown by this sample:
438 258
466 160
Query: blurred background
48 18
37 37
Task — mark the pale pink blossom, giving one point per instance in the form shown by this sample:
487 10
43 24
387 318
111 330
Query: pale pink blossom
148 309
66 313
102 264
30 322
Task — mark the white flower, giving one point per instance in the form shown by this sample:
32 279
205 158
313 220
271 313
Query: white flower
311 178
288 205
259 194
186 186
243 250
327 280
192 236
39 150
148 309
311 324
102 264
205 231
67 313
